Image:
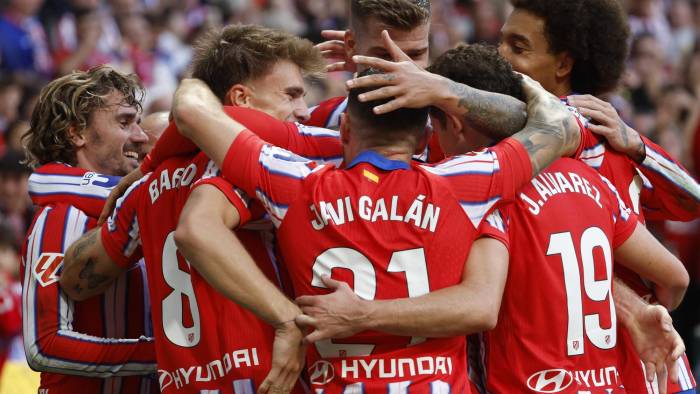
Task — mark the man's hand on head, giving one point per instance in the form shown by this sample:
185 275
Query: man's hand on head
403 79
334 51
606 122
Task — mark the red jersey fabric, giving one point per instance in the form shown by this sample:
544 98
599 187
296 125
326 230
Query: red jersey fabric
561 233
197 349
660 188
81 343
389 229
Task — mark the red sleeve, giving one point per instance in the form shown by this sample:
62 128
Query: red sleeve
120 233
311 142
170 144
670 192
625 219
327 113
496 226
272 174
314 143
50 342
237 197
480 180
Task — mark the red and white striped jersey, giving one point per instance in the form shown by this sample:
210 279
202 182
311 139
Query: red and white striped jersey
83 345
197 349
391 230
557 329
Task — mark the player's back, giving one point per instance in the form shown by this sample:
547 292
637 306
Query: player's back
203 340
390 230
557 325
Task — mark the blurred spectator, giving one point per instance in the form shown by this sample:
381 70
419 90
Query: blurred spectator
23 40
155 75
10 99
84 34
15 205
10 304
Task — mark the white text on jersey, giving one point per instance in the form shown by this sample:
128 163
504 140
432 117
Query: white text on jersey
180 177
550 184
392 368
421 214
216 369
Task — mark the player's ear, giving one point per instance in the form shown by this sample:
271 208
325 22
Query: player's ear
76 138
454 125
349 44
565 63
238 96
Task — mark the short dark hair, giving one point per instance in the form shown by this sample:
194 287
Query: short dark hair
396 123
399 14
594 32
479 66
240 53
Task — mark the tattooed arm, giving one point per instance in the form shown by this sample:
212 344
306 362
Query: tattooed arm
87 268
551 131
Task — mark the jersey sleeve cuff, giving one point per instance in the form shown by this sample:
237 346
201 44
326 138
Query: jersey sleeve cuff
624 231
113 249
232 195
238 161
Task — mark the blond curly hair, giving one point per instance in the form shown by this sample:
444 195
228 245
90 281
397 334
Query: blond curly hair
66 104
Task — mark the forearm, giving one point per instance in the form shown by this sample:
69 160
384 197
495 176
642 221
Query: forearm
87 272
628 304
221 259
444 313
199 117
494 115
646 256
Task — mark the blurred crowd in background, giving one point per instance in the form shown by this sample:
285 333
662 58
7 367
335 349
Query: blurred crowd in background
41 40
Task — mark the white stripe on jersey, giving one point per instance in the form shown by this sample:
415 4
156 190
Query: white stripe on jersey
485 162
68 184
316 131
624 211
333 121
282 162
111 226
593 157
496 221
476 211
74 218
29 286
671 171
653 386
243 386
398 387
277 211
440 387
683 375
355 388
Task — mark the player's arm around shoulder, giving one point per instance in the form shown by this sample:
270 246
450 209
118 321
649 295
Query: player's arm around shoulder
468 307
199 116
204 237
88 270
645 255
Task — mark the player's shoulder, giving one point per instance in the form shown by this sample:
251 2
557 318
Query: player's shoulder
327 113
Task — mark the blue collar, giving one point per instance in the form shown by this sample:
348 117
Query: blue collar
378 161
